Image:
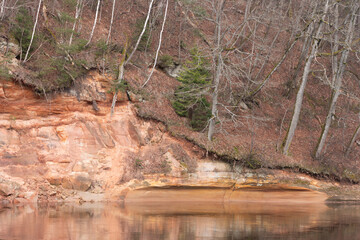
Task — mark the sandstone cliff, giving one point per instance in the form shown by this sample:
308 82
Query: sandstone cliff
61 148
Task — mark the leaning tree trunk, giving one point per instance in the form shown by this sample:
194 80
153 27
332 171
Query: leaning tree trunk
300 94
356 133
33 32
338 83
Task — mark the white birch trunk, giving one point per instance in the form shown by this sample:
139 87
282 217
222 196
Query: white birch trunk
33 32
2 12
77 14
95 21
159 46
338 82
300 94
142 33
111 22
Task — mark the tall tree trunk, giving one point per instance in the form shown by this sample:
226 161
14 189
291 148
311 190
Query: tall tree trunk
218 66
95 21
338 82
158 49
300 94
33 32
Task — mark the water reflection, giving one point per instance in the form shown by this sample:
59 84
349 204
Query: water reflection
180 221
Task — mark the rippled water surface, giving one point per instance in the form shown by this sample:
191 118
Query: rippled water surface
180 221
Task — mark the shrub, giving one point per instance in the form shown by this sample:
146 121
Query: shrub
76 47
59 72
165 166
5 73
252 161
101 48
119 87
190 98
139 164
65 18
166 61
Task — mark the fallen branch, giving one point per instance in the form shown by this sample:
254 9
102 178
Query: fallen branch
253 93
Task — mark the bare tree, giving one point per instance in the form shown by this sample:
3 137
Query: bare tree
217 61
300 94
124 62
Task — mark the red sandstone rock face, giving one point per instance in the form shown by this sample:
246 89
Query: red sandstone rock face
58 146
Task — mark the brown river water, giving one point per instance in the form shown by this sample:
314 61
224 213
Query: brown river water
184 218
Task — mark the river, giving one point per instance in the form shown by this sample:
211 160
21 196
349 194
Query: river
180 220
